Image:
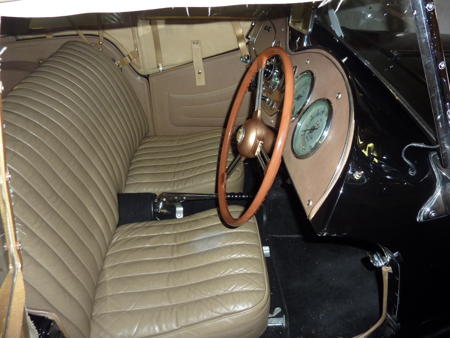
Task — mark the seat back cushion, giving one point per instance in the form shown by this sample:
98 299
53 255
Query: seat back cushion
72 128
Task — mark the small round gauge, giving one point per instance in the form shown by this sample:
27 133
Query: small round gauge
302 90
272 73
312 128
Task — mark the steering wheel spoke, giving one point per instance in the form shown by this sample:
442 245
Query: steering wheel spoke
238 158
261 162
259 94
265 156
262 157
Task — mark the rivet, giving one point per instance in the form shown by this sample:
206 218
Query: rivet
309 203
308 61
199 71
441 65
338 95
429 6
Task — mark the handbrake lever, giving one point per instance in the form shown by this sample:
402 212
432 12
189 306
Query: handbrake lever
169 204
174 197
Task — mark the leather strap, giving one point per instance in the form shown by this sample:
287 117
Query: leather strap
197 60
132 56
134 33
242 43
157 43
12 305
12 291
385 271
79 32
101 33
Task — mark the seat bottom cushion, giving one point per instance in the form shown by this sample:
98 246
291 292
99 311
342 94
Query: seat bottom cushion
190 277
185 163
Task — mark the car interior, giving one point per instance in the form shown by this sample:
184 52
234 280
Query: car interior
175 172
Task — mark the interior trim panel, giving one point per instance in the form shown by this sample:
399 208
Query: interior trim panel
314 176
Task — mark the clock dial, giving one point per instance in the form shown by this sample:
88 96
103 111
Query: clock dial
312 128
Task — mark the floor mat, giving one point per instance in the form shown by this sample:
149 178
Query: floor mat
328 290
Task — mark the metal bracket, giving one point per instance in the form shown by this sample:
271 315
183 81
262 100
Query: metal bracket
197 60
179 210
438 205
246 59
274 321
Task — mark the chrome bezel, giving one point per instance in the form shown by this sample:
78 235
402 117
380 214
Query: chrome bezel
324 133
273 63
240 134
303 107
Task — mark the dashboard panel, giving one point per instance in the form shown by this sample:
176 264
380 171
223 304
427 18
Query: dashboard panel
322 125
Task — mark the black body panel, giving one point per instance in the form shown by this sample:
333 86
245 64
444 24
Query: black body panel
376 198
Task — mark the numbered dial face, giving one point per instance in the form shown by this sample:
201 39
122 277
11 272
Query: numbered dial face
312 128
304 83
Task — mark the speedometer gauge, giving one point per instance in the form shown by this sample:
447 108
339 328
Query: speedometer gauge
302 90
312 128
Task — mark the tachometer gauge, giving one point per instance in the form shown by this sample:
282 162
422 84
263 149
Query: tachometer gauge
312 128
304 83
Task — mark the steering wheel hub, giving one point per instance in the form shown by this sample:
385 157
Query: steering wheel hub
255 133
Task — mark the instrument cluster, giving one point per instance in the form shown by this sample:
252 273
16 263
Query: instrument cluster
322 123
314 119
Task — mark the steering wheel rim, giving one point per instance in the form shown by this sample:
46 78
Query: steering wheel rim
280 141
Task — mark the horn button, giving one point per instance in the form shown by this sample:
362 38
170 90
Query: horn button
252 135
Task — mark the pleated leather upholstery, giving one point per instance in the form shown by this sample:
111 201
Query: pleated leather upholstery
72 128
180 164
188 277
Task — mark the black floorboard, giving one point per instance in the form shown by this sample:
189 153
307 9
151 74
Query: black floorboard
328 290
276 300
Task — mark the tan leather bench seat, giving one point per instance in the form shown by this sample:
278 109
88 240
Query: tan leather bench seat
179 164
72 129
182 278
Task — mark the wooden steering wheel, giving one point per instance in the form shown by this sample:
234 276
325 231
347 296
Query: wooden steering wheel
254 138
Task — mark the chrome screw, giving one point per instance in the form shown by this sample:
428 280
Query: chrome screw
357 175
429 6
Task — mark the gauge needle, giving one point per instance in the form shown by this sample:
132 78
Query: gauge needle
309 130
